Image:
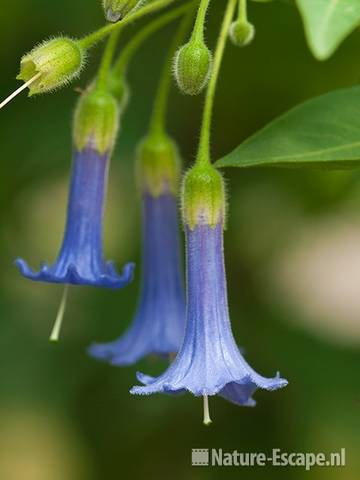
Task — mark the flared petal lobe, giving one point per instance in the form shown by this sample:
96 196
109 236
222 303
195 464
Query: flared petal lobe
209 361
159 323
81 260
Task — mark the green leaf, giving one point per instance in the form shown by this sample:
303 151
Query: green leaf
328 23
323 132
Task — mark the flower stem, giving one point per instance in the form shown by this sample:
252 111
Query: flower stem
203 156
207 419
158 117
198 32
242 10
88 41
129 50
55 334
106 61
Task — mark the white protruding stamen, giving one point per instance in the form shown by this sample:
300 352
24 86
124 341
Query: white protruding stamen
207 419
19 90
55 334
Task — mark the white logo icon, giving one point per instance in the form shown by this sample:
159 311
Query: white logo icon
200 457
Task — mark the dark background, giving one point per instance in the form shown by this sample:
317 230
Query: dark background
293 262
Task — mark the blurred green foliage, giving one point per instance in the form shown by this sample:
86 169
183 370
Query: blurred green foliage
65 416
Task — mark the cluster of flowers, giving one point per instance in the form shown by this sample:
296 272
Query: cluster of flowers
196 328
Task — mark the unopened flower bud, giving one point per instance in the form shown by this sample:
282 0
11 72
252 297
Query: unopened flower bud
96 121
241 33
52 64
158 165
119 87
203 197
115 10
193 67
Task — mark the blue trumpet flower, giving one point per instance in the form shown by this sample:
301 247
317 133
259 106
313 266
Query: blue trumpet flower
158 326
81 260
159 323
209 361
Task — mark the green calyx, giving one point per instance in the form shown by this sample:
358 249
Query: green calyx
96 121
241 33
203 198
158 165
115 10
193 67
55 62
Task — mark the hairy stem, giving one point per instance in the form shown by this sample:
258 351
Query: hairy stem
158 118
132 46
106 61
203 156
198 32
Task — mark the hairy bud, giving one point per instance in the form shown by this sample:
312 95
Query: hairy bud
241 33
192 67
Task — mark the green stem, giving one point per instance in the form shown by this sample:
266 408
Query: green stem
88 41
158 117
124 58
198 32
242 11
203 156
106 61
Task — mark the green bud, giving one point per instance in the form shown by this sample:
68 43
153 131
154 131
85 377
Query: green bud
192 67
56 62
119 87
241 33
115 10
203 197
158 165
96 121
